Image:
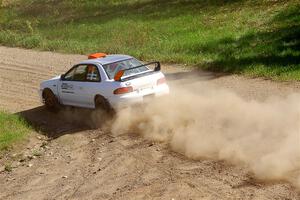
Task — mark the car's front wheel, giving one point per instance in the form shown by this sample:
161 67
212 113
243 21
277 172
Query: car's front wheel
50 100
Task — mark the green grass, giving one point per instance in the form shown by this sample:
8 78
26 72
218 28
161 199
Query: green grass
252 37
13 129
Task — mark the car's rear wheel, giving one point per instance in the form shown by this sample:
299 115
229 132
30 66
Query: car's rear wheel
50 100
103 112
102 104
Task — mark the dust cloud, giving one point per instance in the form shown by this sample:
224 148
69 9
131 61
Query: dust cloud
202 122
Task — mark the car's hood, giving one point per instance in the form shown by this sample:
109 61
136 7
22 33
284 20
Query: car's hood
56 77
50 82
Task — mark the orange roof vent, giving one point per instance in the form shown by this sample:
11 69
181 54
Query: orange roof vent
97 55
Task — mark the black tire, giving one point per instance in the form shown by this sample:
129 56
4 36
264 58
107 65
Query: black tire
103 112
102 104
50 100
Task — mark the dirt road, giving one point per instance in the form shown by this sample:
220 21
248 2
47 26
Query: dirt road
67 159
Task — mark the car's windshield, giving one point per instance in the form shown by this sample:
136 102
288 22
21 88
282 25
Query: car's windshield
113 68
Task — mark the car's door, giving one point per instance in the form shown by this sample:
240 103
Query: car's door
71 85
79 86
92 85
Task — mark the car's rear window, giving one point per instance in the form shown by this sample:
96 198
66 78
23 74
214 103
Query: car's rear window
113 68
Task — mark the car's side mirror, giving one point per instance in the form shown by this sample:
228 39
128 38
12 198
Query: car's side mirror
62 77
157 67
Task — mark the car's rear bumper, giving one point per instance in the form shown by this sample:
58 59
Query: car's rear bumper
119 101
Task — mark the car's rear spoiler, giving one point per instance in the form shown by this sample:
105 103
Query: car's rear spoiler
119 74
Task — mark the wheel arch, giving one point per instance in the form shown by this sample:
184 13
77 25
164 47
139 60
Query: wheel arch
107 102
98 96
45 90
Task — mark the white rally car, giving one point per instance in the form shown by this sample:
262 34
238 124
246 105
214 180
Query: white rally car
106 82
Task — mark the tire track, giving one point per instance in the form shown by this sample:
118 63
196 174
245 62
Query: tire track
22 70
21 96
43 68
19 84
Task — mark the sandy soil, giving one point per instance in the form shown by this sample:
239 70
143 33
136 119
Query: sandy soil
66 159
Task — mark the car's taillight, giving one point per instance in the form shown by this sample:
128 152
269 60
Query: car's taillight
161 81
123 90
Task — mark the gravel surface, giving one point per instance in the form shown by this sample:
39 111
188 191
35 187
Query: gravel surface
75 161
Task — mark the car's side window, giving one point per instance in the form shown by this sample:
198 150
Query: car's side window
69 75
80 73
83 73
92 74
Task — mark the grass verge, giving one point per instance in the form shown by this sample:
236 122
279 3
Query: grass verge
13 129
252 37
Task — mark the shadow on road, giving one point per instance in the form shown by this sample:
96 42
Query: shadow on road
66 121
